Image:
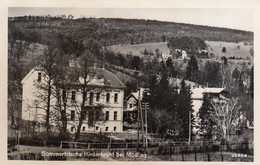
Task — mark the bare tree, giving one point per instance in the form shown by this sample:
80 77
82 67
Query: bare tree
63 84
46 86
85 76
226 116
158 120
163 123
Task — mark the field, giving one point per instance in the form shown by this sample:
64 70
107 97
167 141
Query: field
137 48
232 48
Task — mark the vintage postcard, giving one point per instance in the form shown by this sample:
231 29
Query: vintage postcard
168 82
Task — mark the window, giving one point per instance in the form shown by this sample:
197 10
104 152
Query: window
73 94
130 105
91 98
91 118
97 115
108 97
39 76
115 115
97 97
63 95
107 115
114 128
72 115
96 128
83 128
116 98
84 114
72 129
106 129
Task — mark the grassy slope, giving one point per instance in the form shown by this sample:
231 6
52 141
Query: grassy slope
217 46
136 49
231 47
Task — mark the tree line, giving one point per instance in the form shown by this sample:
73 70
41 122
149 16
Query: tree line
115 31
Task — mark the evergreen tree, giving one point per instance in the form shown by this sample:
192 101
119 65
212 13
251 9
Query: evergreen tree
236 74
162 67
150 94
192 69
162 99
225 60
136 63
212 74
164 93
169 62
183 109
206 124
224 50
170 68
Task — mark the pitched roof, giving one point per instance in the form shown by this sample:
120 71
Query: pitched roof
108 78
136 94
197 93
213 90
36 68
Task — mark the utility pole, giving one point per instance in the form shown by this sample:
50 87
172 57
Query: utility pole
142 126
146 106
189 126
138 118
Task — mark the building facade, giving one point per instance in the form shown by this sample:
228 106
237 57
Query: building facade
103 105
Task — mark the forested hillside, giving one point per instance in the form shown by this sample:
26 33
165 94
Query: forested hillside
112 31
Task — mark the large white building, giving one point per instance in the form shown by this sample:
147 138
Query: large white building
197 94
104 101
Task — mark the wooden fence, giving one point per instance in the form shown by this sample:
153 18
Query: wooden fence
165 147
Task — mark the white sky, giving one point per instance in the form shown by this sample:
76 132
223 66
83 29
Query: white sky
231 18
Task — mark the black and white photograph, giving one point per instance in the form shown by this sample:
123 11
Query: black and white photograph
130 84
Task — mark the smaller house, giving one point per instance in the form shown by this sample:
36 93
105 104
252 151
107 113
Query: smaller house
131 105
179 53
165 56
184 54
203 54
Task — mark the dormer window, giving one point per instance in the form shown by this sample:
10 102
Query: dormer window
39 76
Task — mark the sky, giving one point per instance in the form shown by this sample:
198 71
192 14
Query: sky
241 19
